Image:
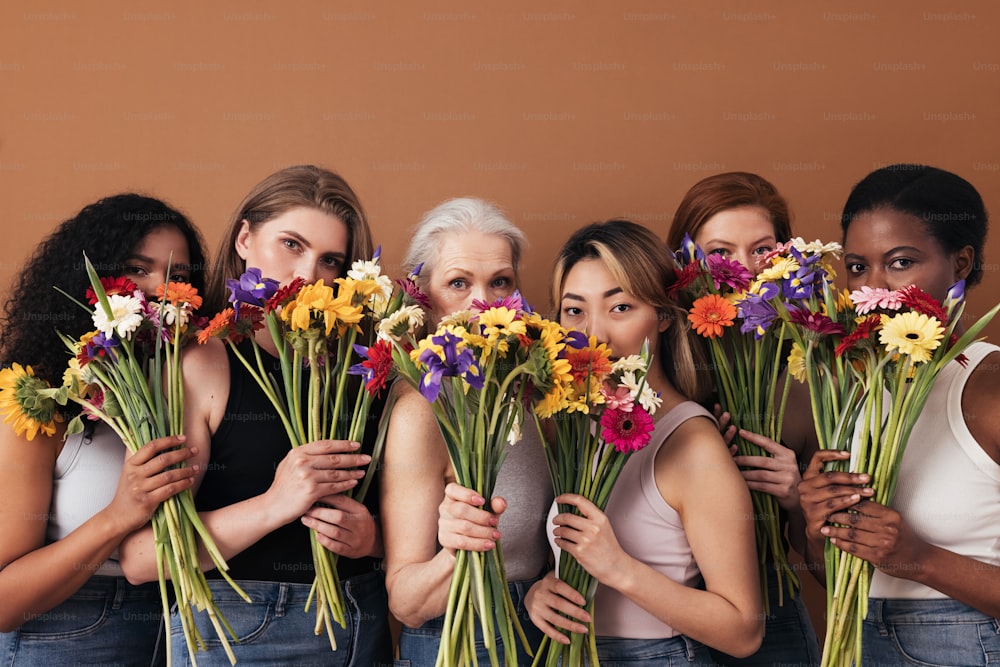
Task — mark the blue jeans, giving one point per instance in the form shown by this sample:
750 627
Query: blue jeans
928 632
275 630
789 637
107 622
418 647
679 651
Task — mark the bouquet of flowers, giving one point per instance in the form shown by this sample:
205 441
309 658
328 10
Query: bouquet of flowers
316 329
127 374
891 353
477 370
603 415
748 362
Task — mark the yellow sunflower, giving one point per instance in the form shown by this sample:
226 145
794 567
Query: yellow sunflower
25 404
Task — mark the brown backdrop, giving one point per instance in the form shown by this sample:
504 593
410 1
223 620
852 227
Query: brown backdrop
562 112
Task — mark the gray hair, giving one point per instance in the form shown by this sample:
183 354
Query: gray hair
466 214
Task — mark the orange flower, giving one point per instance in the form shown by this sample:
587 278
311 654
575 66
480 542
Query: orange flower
221 326
180 293
592 361
710 314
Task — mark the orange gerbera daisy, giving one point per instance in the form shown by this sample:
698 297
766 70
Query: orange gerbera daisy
592 361
220 326
179 294
711 314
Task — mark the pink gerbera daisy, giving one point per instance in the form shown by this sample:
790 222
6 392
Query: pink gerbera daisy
617 398
627 431
868 299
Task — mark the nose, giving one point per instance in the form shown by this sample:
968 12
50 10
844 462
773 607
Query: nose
877 277
306 269
478 292
746 260
596 328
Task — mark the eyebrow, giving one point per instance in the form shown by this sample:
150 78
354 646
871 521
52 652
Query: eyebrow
891 251
301 239
149 260
730 244
577 297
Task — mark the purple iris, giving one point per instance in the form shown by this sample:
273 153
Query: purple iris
809 276
757 314
956 294
359 368
576 339
456 363
103 347
251 288
690 251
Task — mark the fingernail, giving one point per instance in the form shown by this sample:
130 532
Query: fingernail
825 530
365 458
855 497
181 437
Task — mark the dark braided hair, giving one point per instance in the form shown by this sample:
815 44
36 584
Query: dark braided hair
108 231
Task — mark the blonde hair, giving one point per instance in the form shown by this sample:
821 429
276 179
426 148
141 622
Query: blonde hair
641 264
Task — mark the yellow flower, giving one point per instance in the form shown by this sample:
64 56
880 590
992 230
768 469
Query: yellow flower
797 363
24 401
912 333
781 269
317 301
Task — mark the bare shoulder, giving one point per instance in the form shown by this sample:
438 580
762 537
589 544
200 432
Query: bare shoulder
981 404
694 456
206 381
413 437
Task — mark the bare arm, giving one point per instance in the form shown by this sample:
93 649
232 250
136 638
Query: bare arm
35 577
697 476
420 509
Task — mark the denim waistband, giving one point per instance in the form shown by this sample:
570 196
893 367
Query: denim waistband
888 611
117 588
285 594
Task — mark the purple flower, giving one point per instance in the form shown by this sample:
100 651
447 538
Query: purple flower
757 315
725 271
956 294
690 251
456 363
103 347
251 288
809 276
576 339
411 289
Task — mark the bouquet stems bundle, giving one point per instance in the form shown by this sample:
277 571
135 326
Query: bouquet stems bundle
603 417
128 375
477 370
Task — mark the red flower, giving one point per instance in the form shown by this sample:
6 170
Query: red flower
627 431
815 322
865 329
378 366
913 297
683 278
284 295
119 285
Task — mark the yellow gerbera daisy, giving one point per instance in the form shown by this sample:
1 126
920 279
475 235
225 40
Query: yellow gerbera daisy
781 268
913 334
797 363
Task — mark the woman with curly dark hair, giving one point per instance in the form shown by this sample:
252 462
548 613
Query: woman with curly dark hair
68 504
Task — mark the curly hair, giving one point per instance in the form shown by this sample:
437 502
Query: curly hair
107 231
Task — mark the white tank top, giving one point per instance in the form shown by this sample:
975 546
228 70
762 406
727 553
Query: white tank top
949 488
83 483
649 530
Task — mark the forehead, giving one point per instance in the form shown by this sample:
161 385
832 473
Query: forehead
471 249
162 242
884 229
744 222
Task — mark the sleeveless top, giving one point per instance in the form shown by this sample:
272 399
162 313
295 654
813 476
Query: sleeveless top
524 482
949 488
247 447
84 482
647 529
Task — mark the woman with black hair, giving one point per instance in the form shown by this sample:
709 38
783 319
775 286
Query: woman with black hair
935 593
68 504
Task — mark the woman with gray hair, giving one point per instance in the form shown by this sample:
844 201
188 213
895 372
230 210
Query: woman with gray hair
469 250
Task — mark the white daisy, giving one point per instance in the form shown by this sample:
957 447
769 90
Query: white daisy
126 316
404 321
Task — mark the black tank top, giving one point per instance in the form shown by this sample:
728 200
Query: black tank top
246 450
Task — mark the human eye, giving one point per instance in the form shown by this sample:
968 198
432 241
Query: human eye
572 312
457 283
855 268
136 270
291 244
180 277
901 264
719 251
762 250
621 308
331 262
501 282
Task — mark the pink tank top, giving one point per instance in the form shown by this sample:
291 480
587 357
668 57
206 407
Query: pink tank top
649 530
